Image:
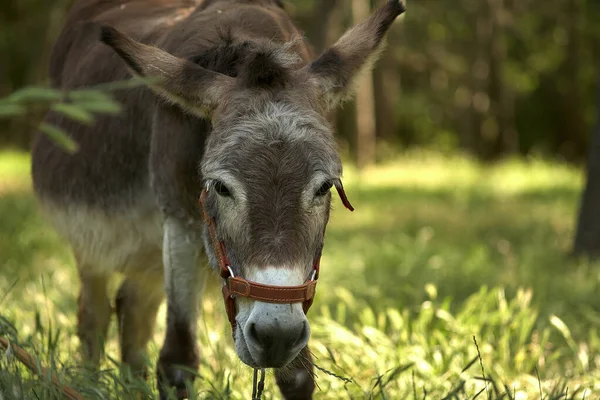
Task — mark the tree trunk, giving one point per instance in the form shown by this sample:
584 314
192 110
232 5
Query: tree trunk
387 94
342 118
572 133
322 20
365 102
472 139
502 101
587 237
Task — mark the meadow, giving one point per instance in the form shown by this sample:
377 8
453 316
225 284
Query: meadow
452 281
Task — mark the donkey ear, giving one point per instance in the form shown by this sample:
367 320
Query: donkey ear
336 70
177 80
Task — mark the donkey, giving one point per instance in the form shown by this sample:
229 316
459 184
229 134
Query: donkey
236 113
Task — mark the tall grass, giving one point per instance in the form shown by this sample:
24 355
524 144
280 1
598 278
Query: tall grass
451 281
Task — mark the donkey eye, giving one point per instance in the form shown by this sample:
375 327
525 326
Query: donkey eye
324 189
221 189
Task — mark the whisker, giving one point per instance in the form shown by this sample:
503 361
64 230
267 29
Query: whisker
310 371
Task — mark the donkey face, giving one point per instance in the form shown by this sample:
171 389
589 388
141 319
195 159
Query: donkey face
268 164
269 175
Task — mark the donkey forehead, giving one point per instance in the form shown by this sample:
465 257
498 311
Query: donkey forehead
277 141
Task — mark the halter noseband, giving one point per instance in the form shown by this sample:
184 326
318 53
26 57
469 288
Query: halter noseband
238 286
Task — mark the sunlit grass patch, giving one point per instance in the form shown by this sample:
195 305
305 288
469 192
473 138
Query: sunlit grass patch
14 164
424 169
439 251
14 171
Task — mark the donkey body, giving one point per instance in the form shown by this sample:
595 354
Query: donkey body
237 108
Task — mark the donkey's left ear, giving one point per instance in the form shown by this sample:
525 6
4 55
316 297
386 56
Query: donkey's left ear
337 68
179 81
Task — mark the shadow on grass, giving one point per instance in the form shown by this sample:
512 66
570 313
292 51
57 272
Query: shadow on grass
401 239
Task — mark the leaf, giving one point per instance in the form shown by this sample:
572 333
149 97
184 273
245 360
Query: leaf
561 326
11 110
431 291
34 93
95 101
89 95
59 137
564 330
100 107
74 112
128 84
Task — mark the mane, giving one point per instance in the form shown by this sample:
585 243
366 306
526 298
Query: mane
258 63
207 3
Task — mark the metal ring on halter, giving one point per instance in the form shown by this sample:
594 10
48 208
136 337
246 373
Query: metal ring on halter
314 273
225 280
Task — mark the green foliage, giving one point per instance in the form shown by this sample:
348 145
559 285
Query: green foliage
500 76
59 137
490 77
81 105
451 282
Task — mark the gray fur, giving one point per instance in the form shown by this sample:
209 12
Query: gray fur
236 101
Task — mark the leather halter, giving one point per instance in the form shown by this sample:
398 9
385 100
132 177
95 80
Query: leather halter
238 286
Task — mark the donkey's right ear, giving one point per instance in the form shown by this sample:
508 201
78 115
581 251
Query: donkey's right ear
179 81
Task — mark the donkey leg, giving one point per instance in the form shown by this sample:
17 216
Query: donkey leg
137 304
184 283
296 381
93 315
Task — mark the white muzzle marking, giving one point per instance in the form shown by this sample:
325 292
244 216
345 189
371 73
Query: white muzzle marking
268 334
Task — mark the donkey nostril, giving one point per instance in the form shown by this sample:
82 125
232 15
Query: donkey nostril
302 338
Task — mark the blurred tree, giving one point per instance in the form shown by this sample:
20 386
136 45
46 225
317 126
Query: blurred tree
488 77
28 28
504 133
573 131
81 105
365 101
318 22
587 237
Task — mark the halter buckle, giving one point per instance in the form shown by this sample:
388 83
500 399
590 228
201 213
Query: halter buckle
225 280
230 270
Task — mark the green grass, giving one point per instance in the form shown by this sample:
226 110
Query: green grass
440 252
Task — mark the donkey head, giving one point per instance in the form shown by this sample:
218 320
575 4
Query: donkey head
269 163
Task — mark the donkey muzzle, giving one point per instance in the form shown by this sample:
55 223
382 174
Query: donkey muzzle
275 333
